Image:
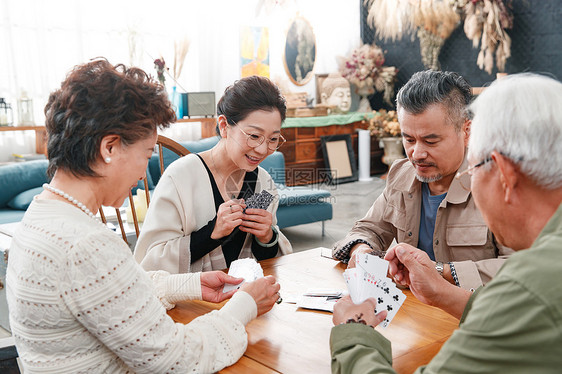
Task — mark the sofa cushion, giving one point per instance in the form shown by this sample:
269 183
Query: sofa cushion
303 214
21 176
300 195
22 200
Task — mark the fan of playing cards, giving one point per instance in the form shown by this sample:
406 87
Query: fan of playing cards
259 200
368 279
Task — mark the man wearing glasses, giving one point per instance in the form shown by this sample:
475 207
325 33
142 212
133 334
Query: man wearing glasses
423 205
513 324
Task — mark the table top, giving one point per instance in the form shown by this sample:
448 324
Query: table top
289 339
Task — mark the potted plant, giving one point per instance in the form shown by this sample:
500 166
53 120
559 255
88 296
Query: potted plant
384 126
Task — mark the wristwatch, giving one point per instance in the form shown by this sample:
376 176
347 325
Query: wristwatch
439 267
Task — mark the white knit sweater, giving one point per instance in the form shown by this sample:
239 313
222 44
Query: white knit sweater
79 302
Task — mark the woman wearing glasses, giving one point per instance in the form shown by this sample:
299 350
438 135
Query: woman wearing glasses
197 220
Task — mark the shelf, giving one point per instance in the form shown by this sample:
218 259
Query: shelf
40 136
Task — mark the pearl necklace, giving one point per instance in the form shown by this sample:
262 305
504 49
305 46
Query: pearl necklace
71 199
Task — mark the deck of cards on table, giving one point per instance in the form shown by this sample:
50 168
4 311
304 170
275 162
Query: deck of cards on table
368 279
246 268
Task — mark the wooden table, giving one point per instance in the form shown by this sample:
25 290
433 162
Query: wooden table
293 340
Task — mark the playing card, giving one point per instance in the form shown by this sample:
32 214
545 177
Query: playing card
259 200
372 264
246 268
351 277
369 280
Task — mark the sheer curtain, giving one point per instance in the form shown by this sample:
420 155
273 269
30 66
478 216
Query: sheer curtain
40 41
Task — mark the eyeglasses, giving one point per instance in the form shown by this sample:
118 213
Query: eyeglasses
255 140
466 182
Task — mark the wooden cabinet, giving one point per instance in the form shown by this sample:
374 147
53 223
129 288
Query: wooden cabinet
304 160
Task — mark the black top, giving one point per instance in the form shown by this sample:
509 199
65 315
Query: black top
201 241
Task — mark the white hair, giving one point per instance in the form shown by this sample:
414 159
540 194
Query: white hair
521 117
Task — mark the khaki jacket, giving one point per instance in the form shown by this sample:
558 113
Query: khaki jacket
460 236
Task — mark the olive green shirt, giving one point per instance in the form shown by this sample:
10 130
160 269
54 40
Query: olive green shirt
513 325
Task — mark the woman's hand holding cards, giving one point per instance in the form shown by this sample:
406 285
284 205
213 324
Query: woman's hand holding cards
229 216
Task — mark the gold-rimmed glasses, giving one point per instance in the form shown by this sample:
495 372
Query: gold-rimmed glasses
469 171
255 140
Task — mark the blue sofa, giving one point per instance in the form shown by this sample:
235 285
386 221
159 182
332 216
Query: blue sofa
19 182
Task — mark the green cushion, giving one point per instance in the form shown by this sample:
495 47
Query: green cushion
21 176
300 195
22 200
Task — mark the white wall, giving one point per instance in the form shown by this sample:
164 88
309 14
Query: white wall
41 40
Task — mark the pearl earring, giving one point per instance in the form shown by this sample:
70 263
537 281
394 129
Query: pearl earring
107 160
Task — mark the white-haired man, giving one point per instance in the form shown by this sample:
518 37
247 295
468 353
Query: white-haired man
514 323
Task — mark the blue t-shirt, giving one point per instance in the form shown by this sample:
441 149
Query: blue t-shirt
429 207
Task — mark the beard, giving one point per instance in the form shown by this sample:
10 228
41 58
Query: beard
430 179
433 178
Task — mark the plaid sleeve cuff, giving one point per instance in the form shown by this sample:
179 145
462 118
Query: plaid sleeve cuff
343 253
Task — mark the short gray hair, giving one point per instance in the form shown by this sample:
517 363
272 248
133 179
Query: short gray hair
430 87
520 116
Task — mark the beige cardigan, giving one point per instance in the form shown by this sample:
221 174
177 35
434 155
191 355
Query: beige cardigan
183 203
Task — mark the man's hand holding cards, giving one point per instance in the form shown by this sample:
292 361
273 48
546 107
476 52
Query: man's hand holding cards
368 279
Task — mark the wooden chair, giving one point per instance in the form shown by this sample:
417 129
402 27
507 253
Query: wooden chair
163 143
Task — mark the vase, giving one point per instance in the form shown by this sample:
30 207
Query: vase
175 99
393 150
364 104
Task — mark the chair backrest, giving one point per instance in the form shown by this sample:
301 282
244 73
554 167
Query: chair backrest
164 145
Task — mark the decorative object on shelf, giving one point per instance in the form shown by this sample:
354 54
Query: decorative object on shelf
300 51
25 110
364 69
198 104
393 150
6 114
335 92
364 92
384 126
160 66
433 21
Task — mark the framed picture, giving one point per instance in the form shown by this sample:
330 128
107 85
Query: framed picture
300 52
339 158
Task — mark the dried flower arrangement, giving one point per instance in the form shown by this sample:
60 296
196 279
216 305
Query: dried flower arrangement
160 66
364 68
384 124
435 20
485 24
180 51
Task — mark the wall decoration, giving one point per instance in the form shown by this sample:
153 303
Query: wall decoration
254 51
433 21
300 52
339 158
